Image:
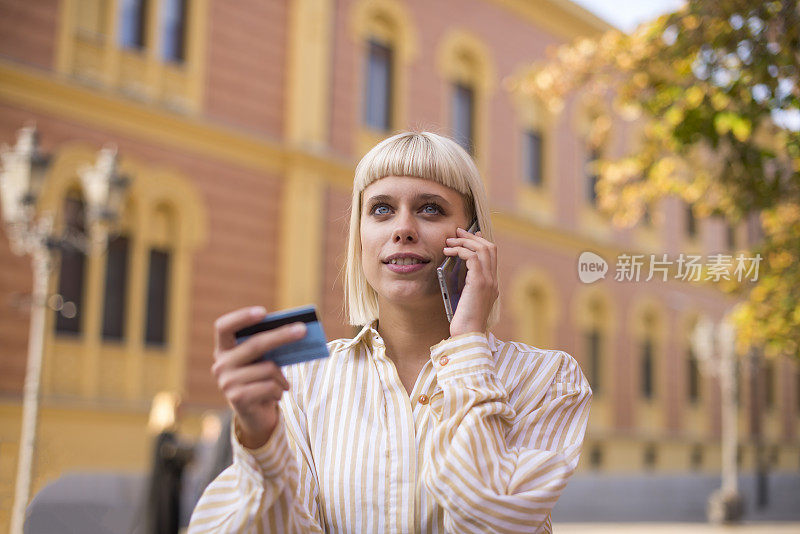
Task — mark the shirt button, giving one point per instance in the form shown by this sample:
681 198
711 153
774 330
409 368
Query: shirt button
443 360
423 399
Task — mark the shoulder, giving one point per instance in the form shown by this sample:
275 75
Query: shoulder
522 362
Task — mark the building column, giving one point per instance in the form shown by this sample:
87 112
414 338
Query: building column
307 127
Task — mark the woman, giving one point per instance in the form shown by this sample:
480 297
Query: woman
417 424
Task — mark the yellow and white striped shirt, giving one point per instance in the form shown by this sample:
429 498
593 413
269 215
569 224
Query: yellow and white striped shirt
486 442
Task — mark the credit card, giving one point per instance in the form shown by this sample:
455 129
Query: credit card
311 347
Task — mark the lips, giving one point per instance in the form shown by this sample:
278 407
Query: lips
405 263
405 259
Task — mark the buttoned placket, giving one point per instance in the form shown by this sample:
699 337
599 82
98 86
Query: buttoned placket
401 471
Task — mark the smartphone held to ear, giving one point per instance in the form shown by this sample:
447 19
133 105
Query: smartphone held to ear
452 274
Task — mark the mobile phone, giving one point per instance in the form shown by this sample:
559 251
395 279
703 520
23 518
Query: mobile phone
452 274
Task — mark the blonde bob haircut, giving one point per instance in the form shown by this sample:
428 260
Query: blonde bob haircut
420 155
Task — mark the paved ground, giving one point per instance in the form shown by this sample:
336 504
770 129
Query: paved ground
683 528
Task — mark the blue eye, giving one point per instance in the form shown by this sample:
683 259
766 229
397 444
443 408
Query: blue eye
432 209
380 209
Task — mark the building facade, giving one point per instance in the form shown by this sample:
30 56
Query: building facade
240 124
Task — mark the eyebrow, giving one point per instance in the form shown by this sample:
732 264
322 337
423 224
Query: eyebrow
422 197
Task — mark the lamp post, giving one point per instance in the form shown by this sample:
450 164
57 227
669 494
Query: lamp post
22 178
714 349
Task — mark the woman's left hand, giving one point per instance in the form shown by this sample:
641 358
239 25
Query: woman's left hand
480 289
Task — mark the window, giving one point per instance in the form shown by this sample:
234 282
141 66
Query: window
72 268
378 101
647 368
730 235
769 384
463 109
532 154
115 288
691 222
157 288
537 301
797 392
173 30
693 373
592 178
593 350
133 24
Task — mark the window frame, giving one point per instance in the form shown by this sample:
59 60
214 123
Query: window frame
371 117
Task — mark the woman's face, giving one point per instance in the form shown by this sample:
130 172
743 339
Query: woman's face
404 224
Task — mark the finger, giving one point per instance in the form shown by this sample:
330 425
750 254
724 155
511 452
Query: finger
478 236
257 372
484 253
476 245
257 393
477 265
469 256
250 350
226 326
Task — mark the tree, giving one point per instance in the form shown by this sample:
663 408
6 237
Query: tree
713 91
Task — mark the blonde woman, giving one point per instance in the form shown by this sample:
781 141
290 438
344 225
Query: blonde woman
416 424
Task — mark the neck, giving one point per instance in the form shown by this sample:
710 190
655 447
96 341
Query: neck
410 331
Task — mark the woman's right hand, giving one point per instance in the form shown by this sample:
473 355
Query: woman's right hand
252 388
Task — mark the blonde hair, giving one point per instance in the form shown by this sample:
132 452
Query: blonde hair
421 155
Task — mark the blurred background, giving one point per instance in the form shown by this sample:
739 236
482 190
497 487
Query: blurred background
168 161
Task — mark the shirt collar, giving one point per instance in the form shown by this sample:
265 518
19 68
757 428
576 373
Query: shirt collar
369 334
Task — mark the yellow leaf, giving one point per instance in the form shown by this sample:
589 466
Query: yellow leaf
741 129
694 95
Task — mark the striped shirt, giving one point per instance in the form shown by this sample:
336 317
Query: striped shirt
486 442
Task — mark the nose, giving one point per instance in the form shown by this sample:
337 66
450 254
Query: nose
405 230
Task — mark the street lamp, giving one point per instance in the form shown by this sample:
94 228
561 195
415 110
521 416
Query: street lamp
714 349
22 177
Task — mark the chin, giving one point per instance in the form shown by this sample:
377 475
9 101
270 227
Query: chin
409 293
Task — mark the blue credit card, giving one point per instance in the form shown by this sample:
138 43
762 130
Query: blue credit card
311 347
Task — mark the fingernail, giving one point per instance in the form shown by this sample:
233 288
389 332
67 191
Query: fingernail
298 328
258 311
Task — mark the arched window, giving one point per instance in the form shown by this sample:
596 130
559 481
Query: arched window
133 300
535 309
769 384
388 44
378 87
647 380
693 376
72 266
159 271
595 325
466 65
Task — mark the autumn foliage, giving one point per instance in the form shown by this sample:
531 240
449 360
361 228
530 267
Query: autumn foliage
712 92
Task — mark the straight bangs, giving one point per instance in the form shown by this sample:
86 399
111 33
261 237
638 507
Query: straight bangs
423 155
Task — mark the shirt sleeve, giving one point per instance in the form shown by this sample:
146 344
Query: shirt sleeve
493 468
270 489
